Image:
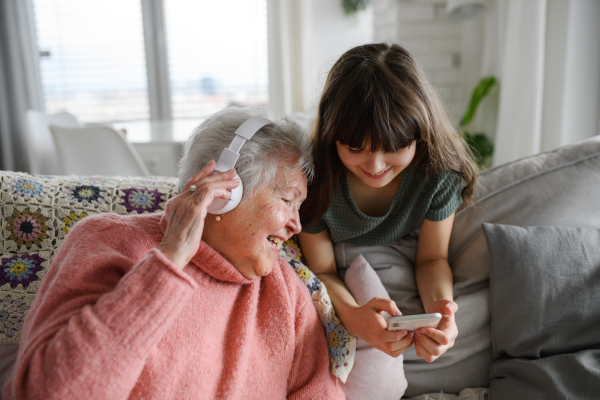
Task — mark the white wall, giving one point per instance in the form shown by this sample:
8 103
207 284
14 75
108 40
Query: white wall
572 72
424 29
332 34
305 38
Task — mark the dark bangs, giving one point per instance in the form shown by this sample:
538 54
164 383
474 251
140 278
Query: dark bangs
375 107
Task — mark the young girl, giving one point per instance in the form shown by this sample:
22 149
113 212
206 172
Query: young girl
388 162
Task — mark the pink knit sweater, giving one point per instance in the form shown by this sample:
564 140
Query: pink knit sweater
114 319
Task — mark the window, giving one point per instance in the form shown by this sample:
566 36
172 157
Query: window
94 57
92 61
217 54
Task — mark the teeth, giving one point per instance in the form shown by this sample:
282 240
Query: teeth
379 173
276 241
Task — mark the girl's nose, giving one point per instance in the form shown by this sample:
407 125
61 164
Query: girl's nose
375 163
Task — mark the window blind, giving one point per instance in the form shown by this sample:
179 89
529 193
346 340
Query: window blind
92 60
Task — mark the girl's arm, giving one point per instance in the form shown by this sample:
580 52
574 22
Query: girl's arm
364 322
435 285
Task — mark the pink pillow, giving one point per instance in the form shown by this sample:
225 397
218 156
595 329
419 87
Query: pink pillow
375 375
363 282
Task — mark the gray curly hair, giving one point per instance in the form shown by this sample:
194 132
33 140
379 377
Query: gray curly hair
283 144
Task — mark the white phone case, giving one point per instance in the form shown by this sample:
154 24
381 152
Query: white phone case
414 322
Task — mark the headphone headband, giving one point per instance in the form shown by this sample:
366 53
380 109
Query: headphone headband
245 132
228 159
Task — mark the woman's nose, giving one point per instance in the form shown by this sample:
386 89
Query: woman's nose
294 222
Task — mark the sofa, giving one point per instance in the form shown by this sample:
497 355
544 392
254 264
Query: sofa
525 256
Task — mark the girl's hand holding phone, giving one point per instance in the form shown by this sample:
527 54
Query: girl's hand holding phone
430 343
367 323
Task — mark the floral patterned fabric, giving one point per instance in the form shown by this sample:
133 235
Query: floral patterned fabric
342 345
37 212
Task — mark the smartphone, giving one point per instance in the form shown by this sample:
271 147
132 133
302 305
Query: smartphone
413 322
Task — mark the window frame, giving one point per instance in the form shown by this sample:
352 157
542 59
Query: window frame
157 66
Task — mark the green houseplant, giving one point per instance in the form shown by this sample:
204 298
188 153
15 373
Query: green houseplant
351 7
481 146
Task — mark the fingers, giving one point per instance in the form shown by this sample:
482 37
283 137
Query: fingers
392 343
401 345
401 350
434 335
445 307
396 345
211 187
431 343
380 304
426 350
422 353
208 169
386 336
204 175
450 309
188 205
372 327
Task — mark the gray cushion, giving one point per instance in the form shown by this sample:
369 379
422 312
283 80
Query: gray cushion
545 291
559 377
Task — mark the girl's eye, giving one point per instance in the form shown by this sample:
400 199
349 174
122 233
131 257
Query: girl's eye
354 151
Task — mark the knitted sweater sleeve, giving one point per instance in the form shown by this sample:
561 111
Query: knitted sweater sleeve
310 377
97 317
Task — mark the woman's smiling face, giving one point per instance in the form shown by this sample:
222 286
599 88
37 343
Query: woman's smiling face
375 169
251 235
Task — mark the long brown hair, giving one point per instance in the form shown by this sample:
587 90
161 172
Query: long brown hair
378 92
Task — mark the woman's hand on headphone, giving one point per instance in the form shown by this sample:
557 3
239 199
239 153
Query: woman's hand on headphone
187 211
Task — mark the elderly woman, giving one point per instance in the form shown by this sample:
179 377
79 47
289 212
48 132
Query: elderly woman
185 304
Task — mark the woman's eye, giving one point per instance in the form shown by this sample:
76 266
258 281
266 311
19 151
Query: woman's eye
354 151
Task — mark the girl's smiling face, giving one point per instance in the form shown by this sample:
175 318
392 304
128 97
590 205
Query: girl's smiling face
375 169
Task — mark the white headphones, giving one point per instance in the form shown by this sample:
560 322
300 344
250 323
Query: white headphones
228 159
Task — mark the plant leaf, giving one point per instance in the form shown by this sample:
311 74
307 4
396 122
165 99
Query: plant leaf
481 147
479 92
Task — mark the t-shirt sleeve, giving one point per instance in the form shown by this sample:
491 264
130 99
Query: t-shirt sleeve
316 227
447 198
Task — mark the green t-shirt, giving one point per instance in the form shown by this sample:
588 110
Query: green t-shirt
434 198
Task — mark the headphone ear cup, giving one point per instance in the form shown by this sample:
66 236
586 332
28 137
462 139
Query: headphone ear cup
221 206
